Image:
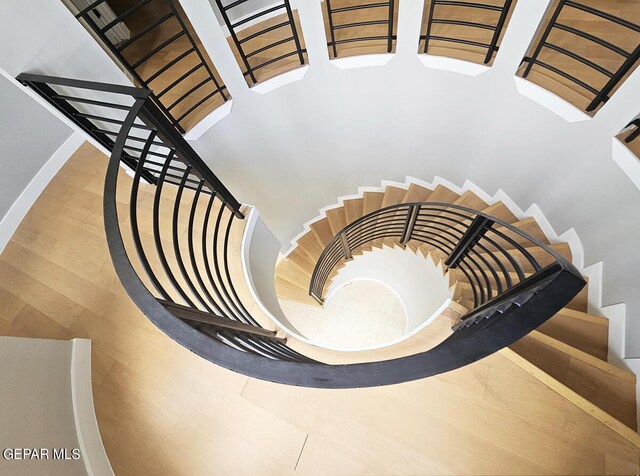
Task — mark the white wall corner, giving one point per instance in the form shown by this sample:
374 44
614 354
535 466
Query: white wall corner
502 196
38 183
209 121
594 274
627 161
93 453
410 13
520 32
623 106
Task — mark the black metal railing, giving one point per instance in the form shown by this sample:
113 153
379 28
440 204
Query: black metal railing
258 49
635 131
342 32
181 85
605 20
503 265
461 18
173 243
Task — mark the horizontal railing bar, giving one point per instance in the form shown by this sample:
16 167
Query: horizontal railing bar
273 60
361 23
158 48
362 38
170 64
460 40
579 58
197 315
593 38
143 32
258 15
443 21
360 7
196 105
110 120
188 93
482 6
234 4
141 93
266 30
269 46
566 75
179 80
93 102
605 15
128 12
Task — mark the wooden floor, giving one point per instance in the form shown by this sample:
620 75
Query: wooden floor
164 411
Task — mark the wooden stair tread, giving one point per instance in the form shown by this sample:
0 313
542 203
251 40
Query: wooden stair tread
322 231
353 209
570 395
310 245
443 194
609 388
288 271
301 260
471 200
416 193
392 195
580 330
336 219
287 290
501 211
371 201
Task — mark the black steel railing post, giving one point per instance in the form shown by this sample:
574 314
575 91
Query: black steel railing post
332 29
198 52
543 39
150 113
429 22
635 134
390 30
496 34
603 95
410 222
346 249
294 31
236 41
474 232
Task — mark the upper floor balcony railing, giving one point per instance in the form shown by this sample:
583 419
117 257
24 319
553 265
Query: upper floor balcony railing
161 53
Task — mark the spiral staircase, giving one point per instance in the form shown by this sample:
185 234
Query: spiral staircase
518 342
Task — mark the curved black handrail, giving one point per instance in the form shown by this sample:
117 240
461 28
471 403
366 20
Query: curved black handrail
204 312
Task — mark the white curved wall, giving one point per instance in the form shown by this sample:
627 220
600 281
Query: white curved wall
418 283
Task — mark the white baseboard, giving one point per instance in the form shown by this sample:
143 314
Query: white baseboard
32 191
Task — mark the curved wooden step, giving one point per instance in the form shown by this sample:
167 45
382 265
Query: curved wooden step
583 331
608 387
572 396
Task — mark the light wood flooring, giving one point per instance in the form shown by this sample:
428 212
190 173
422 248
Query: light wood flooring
164 411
